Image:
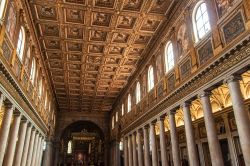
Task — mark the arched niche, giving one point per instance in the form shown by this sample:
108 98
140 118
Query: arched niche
86 140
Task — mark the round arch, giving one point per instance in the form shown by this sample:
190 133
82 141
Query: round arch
82 142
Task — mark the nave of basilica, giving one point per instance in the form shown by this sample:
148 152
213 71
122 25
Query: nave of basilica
124 82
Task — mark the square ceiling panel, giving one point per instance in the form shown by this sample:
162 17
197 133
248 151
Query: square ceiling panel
93 47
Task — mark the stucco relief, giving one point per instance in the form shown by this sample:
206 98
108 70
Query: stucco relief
182 40
11 22
223 6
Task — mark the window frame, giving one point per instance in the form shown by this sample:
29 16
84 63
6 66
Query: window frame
69 147
129 103
194 21
33 71
113 122
122 109
2 8
168 62
138 92
151 82
116 117
20 44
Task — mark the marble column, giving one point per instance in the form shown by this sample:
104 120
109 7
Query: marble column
135 161
241 116
26 146
213 141
38 150
48 154
35 149
31 147
10 151
140 151
174 139
146 146
163 142
125 144
117 152
191 145
57 149
41 153
106 153
130 151
153 144
2 98
20 143
5 128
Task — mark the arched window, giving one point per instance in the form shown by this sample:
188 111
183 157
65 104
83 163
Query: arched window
122 109
116 116
2 6
150 78
113 122
201 21
138 92
20 44
40 88
33 71
129 103
169 57
45 102
69 150
121 145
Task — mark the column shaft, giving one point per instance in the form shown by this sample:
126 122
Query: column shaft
140 152
41 153
134 150
33 160
10 151
20 143
163 142
4 132
130 151
31 147
146 147
48 154
153 145
125 144
241 117
213 142
191 145
38 150
26 147
174 140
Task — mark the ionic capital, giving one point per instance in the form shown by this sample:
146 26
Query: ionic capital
204 94
232 78
185 104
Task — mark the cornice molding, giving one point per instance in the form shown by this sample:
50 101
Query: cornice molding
11 86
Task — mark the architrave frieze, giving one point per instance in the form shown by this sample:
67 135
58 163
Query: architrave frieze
232 61
9 83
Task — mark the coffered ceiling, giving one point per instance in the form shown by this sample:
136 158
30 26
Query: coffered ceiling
92 47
